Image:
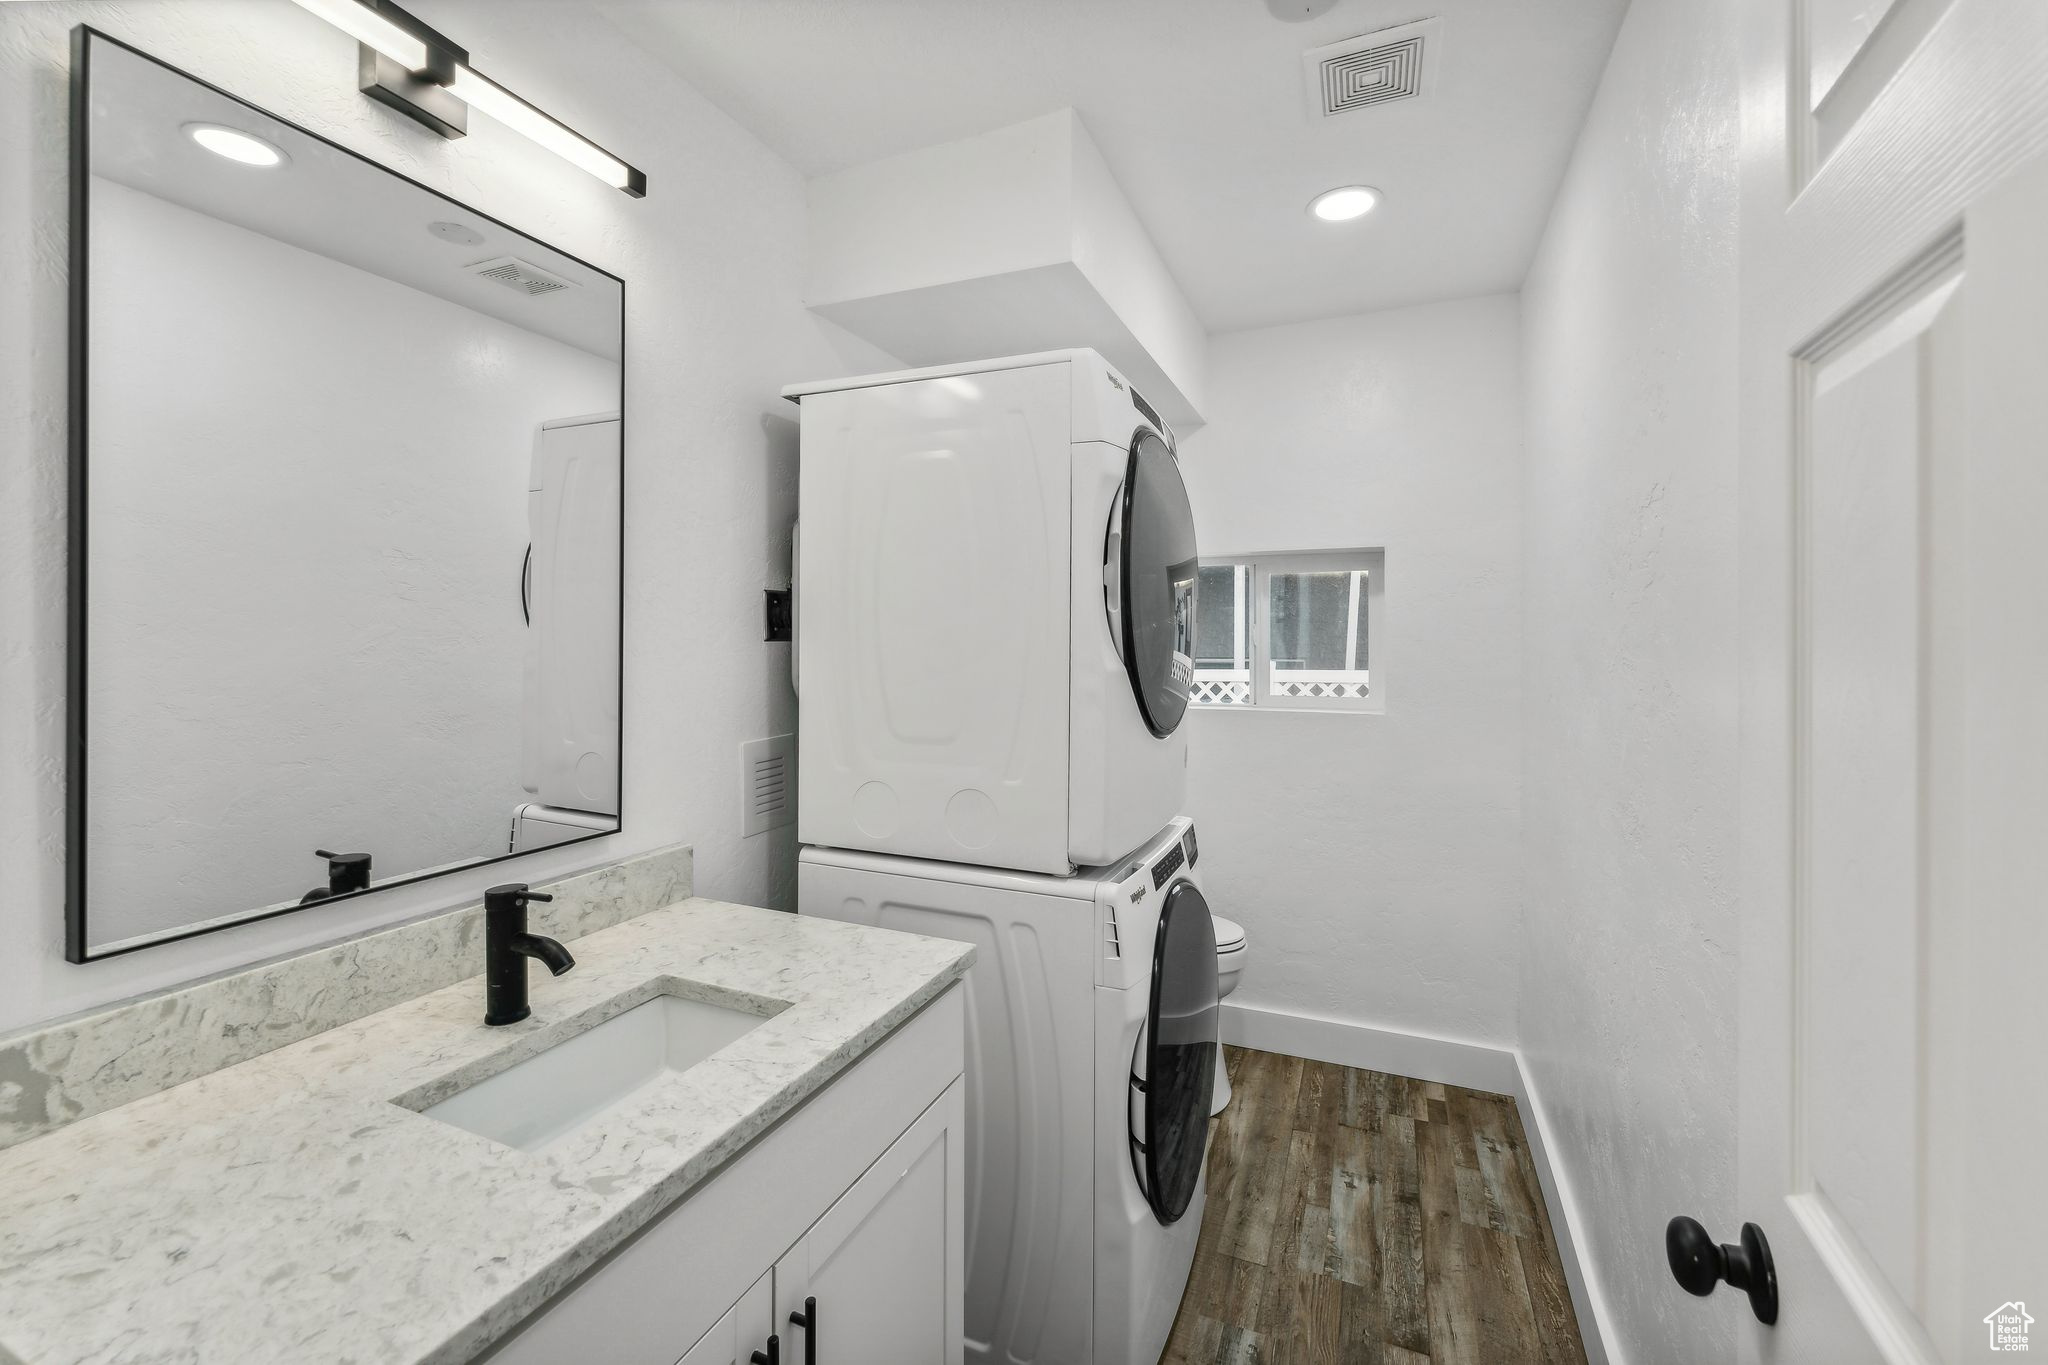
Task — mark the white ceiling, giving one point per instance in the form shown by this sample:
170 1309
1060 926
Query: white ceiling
1202 110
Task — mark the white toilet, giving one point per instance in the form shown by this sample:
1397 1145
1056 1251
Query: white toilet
1229 966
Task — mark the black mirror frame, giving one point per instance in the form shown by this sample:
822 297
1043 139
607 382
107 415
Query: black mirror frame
77 947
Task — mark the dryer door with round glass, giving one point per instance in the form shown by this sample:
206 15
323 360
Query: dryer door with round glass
1174 1071
1155 575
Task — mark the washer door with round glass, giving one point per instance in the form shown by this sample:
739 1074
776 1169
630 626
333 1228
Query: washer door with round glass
1153 607
1173 1073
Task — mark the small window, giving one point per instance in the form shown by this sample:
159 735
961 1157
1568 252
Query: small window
1293 631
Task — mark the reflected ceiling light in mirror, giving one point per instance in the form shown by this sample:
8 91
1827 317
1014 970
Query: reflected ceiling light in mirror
235 145
436 70
1344 203
1295 11
461 234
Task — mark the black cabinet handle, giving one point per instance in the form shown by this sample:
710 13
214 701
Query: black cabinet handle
772 1356
1698 1264
807 1318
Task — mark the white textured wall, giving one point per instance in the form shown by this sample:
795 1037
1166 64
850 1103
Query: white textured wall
291 514
1627 1015
715 325
1374 860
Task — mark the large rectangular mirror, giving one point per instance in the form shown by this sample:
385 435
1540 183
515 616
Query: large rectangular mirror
346 521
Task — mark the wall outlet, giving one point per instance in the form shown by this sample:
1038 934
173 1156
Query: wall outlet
778 613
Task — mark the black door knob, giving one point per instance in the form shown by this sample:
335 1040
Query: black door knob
1698 1264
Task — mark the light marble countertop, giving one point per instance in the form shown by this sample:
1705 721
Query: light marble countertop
287 1210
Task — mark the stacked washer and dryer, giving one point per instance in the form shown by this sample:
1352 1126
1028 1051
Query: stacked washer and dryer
995 607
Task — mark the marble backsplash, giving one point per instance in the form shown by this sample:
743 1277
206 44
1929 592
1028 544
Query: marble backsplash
57 1072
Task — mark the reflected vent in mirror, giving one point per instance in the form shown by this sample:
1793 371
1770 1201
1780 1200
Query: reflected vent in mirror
1372 69
524 276
767 783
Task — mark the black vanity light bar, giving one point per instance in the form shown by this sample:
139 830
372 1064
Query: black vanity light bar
420 73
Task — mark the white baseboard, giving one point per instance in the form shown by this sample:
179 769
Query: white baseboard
1371 1048
1447 1061
1595 1324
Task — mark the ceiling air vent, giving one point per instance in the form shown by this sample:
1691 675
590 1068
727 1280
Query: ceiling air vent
524 276
1383 67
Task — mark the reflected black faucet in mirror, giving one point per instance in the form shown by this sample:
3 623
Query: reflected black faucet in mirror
346 872
507 945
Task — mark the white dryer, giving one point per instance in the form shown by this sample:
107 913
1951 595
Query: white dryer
995 607
1092 1014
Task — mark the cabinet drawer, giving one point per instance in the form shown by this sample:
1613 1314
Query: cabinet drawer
651 1298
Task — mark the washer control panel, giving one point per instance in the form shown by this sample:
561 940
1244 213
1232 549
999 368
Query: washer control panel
1175 859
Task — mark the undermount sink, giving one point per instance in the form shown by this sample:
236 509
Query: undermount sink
550 1095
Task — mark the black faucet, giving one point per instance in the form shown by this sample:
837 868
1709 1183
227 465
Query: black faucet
346 872
507 945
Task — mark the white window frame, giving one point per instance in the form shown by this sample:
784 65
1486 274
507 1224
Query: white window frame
1253 643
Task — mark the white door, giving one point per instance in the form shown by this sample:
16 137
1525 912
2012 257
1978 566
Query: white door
743 1330
570 756
1895 643
879 1279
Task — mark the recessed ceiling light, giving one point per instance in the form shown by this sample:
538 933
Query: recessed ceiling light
1344 203
235 145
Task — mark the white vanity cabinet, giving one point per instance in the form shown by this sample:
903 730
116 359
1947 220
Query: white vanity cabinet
878 1276
734 1338
855 1200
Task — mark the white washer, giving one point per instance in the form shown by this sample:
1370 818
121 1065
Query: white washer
1091 1055
994 612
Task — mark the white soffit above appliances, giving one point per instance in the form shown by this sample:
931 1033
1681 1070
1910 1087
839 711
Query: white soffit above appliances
1011 242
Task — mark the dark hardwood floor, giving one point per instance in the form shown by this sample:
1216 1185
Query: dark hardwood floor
1368 1219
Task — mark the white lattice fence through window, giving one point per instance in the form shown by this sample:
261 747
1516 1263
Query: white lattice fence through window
1332 684
1222 686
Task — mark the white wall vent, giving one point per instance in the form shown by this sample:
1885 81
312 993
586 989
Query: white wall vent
1382 67
524 276
767 783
